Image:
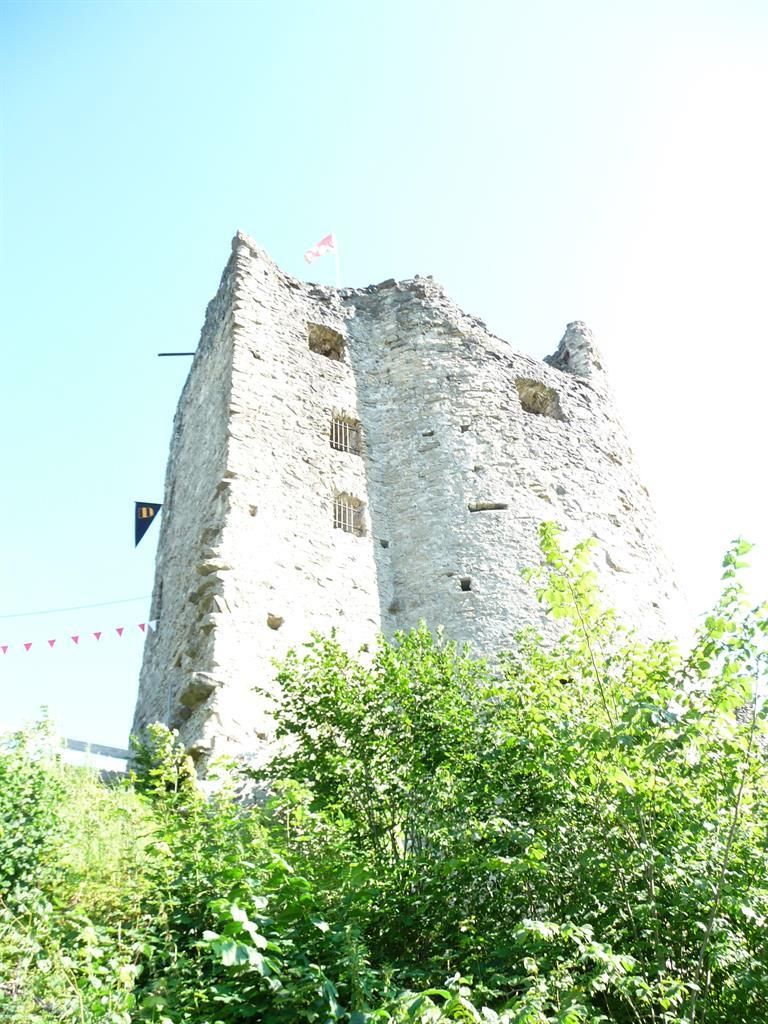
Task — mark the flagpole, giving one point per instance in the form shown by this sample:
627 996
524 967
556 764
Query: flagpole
336 254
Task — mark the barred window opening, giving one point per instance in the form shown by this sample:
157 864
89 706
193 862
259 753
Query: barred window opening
346 435
348 514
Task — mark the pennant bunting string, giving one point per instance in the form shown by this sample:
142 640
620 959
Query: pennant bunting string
145 627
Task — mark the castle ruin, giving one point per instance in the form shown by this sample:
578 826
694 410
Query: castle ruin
362 459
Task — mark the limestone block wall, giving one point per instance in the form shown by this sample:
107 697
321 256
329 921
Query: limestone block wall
462 447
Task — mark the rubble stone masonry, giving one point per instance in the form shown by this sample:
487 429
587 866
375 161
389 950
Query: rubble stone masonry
363 459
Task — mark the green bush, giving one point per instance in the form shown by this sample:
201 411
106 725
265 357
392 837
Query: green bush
30 793
582 833
69 909
575 833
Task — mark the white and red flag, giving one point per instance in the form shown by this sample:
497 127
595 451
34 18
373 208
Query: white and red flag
327 244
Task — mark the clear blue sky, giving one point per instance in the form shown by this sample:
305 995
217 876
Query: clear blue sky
546 161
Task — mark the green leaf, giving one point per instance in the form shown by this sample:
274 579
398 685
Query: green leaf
233 953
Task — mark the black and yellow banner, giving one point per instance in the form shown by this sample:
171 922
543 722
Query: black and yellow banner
146 512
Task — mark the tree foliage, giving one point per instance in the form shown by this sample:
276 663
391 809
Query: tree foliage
575 832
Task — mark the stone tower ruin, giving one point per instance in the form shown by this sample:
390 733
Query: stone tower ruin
362 459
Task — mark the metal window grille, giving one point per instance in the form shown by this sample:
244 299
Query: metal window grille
345 435
347 515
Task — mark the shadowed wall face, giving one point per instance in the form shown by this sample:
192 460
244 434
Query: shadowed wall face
361 460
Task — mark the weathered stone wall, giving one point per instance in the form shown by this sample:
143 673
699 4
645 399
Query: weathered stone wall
456 423
288 571
466 447
178 658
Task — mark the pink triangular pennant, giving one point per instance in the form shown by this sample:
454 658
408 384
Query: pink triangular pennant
75 639
51 643
152 624
119 630
98 635
4 648
143 627
27 646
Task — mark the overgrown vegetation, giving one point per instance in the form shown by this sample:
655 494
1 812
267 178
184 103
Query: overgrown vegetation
577 834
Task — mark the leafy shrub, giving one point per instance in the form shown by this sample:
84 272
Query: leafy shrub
576 833
30 793
583 833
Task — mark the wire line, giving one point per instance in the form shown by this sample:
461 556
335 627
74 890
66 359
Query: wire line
74 607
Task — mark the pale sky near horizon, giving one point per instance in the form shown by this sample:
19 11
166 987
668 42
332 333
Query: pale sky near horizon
547 162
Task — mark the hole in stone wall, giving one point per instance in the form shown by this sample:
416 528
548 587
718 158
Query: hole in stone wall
348 514
252 510
465 582
539 399
487 506
384 543
346 434
325 341
196 691
464 428
274 621
180 716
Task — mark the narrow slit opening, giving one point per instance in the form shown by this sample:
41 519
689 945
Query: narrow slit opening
487 506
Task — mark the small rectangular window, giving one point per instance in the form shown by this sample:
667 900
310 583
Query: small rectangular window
348 514
539 399
325 341
346 435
